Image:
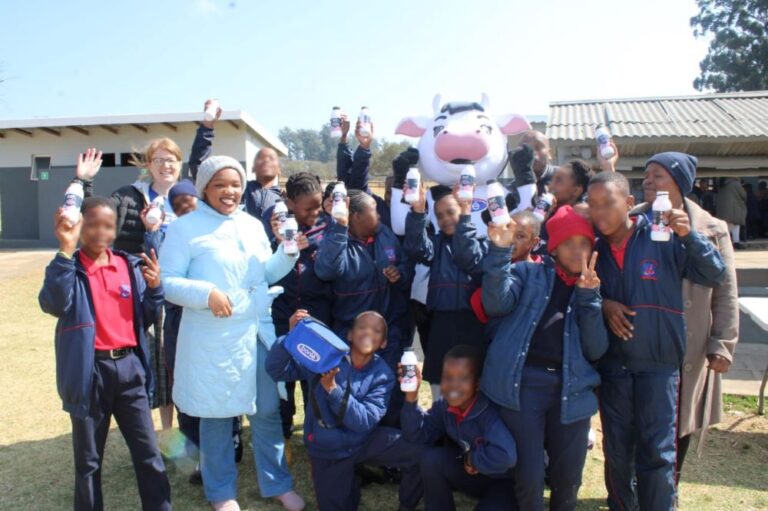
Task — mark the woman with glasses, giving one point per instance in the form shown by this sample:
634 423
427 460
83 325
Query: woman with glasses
161 163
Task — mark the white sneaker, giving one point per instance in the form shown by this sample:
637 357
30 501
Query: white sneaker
226 505
291 501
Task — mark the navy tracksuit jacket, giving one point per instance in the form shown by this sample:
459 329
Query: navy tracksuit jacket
356 270
640 377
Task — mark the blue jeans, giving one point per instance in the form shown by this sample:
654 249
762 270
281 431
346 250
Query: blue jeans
217 452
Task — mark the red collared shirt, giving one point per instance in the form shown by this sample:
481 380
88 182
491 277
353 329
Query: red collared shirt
618 252
112 302
459 414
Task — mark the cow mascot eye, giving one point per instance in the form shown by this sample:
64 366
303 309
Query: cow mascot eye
469 134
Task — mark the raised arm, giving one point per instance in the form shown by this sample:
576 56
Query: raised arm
502 283
331 257
203 143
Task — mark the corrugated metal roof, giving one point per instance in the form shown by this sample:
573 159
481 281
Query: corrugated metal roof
732 115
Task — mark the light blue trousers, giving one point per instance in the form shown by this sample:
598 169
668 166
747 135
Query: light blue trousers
217 452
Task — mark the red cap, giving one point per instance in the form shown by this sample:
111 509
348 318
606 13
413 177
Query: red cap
566 223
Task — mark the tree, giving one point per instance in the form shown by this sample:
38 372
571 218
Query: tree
382 156
737 59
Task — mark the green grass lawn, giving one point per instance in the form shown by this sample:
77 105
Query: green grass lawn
36 469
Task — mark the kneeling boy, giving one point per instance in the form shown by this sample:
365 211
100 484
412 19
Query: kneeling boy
480 463
341 423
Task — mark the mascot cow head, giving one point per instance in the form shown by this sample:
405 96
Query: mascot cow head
461 133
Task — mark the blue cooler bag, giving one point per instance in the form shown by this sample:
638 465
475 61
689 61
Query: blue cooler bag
314 346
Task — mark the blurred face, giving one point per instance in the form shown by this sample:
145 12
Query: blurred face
164 167
306 208
267 164
365 223
458 384
224 191
570 253
657 179
184 204
99 229
540 145
447 211
609 207
368 335
525 241
563 186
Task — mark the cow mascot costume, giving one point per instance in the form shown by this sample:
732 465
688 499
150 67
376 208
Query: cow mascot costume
460 134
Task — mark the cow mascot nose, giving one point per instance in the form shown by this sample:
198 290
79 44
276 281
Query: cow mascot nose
463 144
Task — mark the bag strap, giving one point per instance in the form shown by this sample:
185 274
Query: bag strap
316 407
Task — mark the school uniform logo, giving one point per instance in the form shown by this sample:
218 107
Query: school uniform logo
125 290
479 205
307 352
391 255
648 270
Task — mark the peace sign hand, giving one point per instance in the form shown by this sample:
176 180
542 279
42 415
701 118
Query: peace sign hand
151 269
589 278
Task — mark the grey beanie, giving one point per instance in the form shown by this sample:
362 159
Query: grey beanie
211 166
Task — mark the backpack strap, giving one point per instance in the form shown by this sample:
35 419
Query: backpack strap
316 407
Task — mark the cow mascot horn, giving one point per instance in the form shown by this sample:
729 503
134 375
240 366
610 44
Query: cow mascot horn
458 134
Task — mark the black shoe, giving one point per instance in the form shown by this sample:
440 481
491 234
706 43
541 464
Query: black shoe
197 477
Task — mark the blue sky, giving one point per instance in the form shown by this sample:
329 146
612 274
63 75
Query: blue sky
289 62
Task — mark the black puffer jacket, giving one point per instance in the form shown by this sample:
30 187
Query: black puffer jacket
129 202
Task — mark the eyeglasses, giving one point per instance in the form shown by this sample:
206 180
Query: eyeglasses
163 161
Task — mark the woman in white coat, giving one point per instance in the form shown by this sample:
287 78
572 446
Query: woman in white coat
217 263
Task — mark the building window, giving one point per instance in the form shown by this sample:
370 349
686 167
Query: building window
125 159
41 167
108 160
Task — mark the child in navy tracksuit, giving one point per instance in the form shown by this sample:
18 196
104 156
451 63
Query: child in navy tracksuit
368 269
341 423
480 459
103 300
455 273
640 373
538 368
302 289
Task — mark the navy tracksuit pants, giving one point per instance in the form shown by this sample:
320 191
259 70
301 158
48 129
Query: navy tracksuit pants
536 428
442 472
335 484
118 391
638 411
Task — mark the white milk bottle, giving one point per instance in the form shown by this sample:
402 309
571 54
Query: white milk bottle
339 196
73 199
412 185
497 205
660 231
467 180
409 383
290 245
